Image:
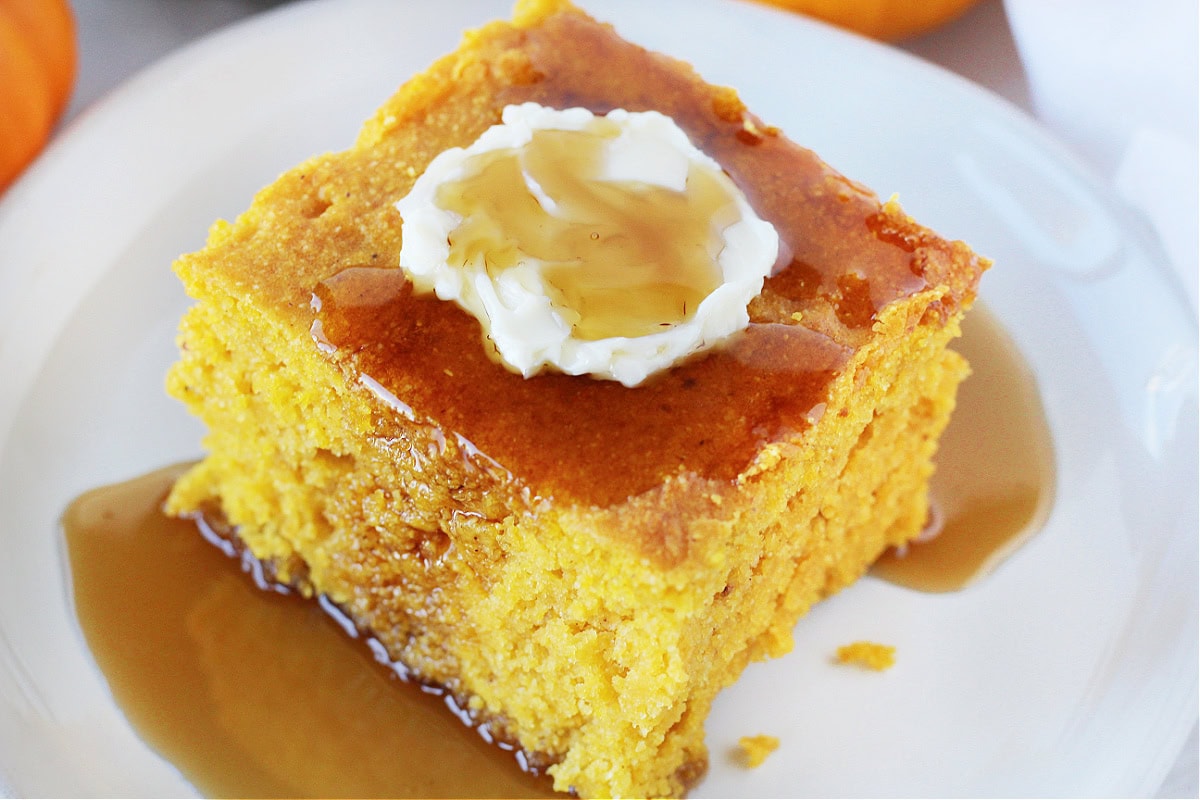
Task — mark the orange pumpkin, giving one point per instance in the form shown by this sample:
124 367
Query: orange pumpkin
38 60
888 20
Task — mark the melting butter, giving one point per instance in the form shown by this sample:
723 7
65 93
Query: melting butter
607 246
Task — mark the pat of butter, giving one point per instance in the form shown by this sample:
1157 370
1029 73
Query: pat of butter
607 246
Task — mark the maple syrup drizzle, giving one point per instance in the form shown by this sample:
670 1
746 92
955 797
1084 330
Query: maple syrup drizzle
623 258
708 416
842 261
785 184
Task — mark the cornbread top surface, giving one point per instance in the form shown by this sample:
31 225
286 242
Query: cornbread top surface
328 230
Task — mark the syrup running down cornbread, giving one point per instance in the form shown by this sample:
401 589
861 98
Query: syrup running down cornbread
584 565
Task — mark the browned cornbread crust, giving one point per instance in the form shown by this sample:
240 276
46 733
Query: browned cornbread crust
584 565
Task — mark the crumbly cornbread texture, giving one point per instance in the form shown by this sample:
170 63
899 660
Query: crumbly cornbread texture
755 749
872 655
583 565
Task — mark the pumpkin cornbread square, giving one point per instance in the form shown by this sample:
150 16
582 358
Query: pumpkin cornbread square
581 564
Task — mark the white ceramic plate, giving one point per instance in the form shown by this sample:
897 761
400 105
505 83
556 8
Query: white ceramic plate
1071 671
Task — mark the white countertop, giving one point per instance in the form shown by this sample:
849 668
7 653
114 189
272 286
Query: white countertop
119 37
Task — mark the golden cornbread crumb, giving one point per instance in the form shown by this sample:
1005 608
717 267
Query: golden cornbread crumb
582 566
871 655
755 749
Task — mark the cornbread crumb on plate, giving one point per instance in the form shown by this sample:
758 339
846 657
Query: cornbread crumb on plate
871 655
755 749
581 565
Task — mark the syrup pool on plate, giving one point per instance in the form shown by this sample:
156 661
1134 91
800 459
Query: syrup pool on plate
995 478
253 692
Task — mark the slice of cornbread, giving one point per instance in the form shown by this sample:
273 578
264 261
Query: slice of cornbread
583 565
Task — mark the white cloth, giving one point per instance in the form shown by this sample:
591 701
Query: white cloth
1118 81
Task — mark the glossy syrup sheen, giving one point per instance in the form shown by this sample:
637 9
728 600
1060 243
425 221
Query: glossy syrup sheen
571 437
829 226
252 693
621 257
592 442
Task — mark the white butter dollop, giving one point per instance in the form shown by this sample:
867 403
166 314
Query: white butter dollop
512 285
